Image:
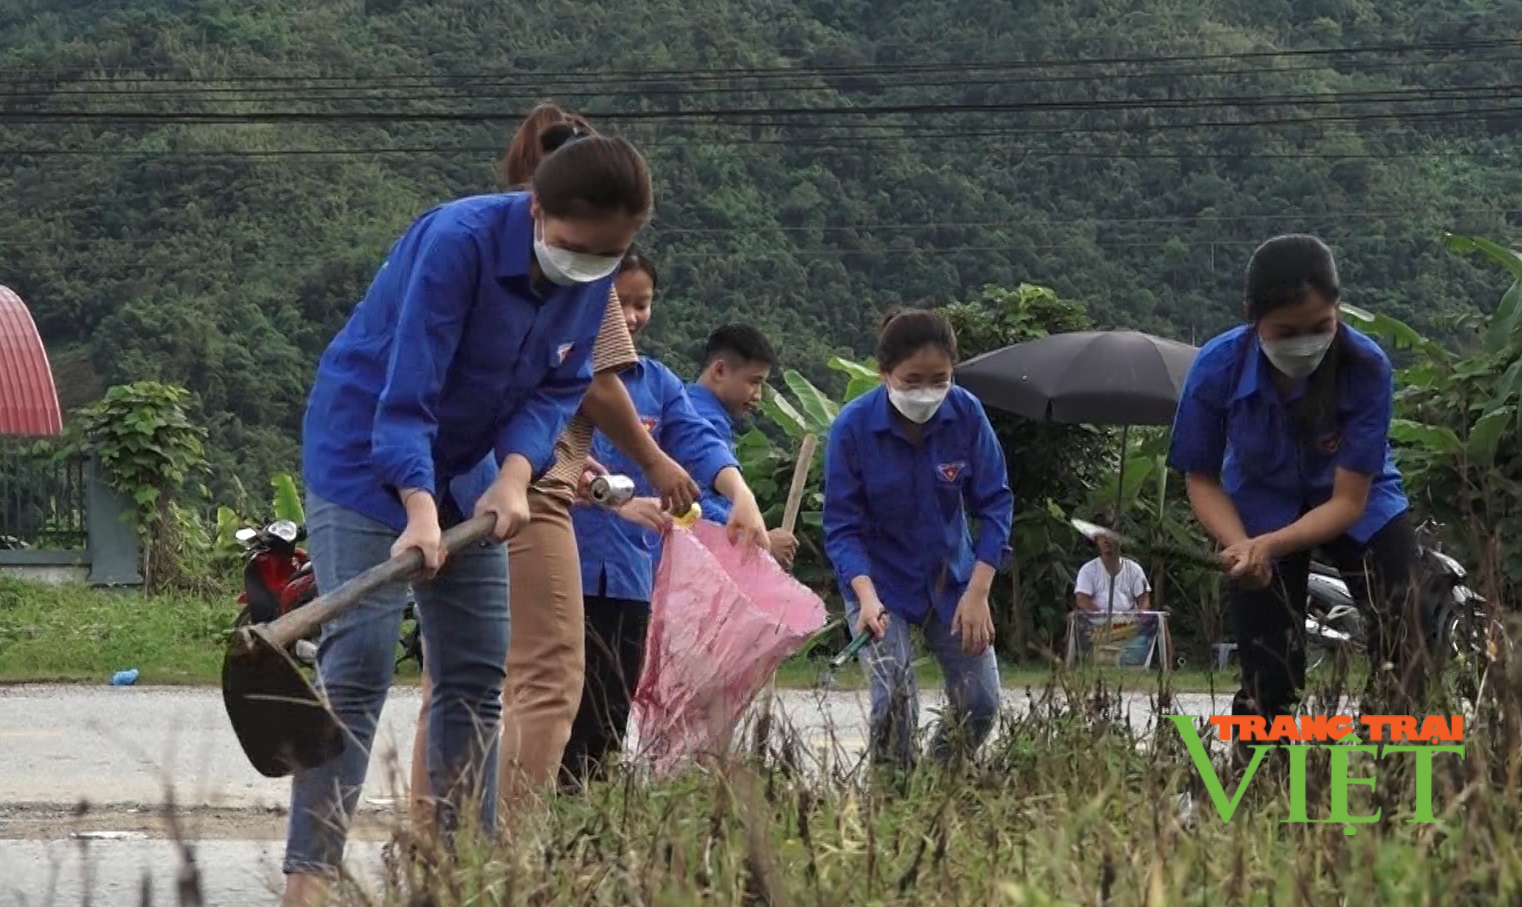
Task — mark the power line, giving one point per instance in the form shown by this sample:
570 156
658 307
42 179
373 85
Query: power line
485 152
679 254
736 116
1033 221
1067 61
578 86
1375 95
1401 95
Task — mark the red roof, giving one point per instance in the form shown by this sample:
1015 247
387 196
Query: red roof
28 397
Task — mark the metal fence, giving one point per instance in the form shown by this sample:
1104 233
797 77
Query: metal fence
43 499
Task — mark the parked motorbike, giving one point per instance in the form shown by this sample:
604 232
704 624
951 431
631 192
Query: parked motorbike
1459 625
278 578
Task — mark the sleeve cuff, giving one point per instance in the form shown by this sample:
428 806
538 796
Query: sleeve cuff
849 571
1193 461
710 470
411 475
1368 464
998 558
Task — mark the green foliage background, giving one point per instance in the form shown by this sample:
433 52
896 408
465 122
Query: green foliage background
211 254
197 191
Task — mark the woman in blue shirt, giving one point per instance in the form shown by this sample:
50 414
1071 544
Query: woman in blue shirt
619 549
474 338
1283 434
905 466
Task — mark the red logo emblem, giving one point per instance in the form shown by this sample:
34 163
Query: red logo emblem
950 471
649 422
1331 443
564 351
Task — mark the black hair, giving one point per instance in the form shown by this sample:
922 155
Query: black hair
636 260
1283 271
594 175
738 344
554 137
903 332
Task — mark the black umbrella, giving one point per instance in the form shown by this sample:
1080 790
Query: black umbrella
1120 378
1084 377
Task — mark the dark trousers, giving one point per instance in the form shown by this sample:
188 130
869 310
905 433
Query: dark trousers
615 650
1269 624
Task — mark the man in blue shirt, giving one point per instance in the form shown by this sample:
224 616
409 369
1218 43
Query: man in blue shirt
1282 433
737 363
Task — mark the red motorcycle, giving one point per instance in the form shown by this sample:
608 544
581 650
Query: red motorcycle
278 578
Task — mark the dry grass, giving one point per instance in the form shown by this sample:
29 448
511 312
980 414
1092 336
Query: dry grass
1069 806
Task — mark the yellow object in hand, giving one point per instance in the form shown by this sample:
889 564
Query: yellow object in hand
692 516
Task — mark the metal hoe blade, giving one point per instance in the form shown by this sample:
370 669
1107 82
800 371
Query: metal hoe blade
280 720
282 723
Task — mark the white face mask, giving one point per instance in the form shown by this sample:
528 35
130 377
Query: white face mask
920 403
1297 357
565 267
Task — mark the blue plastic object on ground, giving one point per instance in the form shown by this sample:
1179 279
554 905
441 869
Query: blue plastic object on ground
124 678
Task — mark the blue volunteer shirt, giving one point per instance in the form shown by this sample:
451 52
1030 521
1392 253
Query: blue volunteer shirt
618 558
715 506
450 359
1233 422
896 511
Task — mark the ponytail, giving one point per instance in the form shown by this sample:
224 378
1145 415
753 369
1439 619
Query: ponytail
1314 415
544 130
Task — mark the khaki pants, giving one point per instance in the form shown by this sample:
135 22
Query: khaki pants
545 660
546 653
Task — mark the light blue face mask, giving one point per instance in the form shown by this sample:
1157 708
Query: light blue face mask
1297 357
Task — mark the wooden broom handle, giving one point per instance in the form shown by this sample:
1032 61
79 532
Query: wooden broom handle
800 481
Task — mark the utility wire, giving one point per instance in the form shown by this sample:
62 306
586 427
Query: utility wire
1407 94
757 117
1033 221
675 253
728 73
595 85
487 152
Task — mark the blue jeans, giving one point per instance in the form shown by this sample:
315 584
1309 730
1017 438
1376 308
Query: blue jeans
972 691
466 637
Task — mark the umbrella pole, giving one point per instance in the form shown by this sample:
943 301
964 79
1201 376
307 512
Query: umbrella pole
1120 491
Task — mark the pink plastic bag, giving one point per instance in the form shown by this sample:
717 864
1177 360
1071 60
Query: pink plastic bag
719 628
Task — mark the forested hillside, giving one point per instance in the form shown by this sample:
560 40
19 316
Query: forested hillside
198 190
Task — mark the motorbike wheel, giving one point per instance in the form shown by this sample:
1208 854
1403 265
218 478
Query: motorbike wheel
1456 639
1469 644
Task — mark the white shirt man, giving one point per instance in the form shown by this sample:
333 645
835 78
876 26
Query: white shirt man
1092 588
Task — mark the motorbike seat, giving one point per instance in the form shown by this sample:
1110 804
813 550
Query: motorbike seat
1320 569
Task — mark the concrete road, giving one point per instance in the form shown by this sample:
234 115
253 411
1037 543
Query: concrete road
126 746
120 750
